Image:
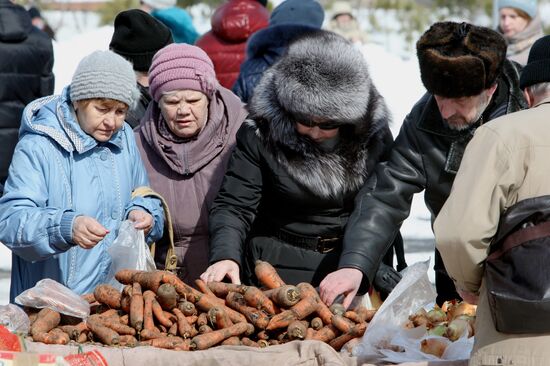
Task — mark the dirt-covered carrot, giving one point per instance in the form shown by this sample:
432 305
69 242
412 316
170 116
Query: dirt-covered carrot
326 334
342 323
207 340
219 318
147 334
205 329
187 308
136 307
221 289
46 320
337 309
297 329
148 321
316 323
82 338
105 334
267 275
202 319
322 309
257 317
89 298
74 331
185 329
124 319
353 316
128 341
257 299
355 332
108 295
173 329
284 318
232 341
147 280
170 343
167 296
54 336
206 302
192 319
249 342
125 301
110 313
160 316
118 327
284 296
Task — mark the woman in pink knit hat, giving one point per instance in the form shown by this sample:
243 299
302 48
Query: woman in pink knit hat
185 140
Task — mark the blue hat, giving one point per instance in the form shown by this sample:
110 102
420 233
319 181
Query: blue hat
304 12
528 6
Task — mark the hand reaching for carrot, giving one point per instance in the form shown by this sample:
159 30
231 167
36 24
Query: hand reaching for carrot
219 270
87 232
142 220
343 281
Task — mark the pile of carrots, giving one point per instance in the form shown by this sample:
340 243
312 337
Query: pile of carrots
158 309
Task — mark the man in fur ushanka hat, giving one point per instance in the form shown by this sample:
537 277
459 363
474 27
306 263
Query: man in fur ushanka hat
468 82
317 127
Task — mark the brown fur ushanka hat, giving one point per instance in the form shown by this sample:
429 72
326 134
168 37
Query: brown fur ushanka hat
459 59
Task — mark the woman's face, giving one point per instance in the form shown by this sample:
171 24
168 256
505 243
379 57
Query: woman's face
100 118
185 111
316 133
511 23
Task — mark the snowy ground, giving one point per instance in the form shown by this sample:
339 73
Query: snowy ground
397 80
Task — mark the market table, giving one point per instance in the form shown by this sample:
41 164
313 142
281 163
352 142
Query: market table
303 353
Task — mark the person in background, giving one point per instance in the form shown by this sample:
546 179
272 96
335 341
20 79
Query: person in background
317 128
345 24
137 37
177 19
469 82
25 74
39 22
521 26
185 140
232 24
71 179
514 167
288 21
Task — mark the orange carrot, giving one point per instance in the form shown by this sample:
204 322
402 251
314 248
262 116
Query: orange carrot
108 295
187 308
192 319
343 324
170 343
257 299
297 329
316 323
173 329
124 319
184 328
146 280
267 275
207 340
128 341
232 341
148 321
54 336
136 307
326 334
322 309
205 329
221 289
46 320
103 333
257 317
285 296
202 319
89 298
82 338
365 314
147 334
206 302
219 318
159 315
249 342
355 332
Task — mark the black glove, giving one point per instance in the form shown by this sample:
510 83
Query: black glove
386 279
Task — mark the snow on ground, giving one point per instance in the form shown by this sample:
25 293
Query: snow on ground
396 79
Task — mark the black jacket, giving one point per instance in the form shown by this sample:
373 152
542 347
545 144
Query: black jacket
25 74
264 48
135 114
425 157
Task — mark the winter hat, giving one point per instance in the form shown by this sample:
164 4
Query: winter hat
34 12
341 7
138 36
321 75
537 69
104 74
459 59
305 12
160 4
528 6
181 66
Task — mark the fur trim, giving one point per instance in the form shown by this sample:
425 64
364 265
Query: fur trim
459 59
334 85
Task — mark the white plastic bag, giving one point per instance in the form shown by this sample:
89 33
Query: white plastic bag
14 318
129 251
386 339
48 293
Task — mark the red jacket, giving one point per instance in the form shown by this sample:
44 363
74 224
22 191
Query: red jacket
232 23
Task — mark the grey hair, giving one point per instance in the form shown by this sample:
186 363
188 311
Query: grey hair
539 89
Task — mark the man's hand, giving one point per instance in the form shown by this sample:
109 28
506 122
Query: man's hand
219 270
343 281
142 220
87 232
386 278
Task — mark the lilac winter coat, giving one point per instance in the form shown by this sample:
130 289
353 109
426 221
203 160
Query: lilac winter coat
188 176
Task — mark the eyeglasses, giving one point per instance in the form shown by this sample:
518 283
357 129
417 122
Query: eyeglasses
328 125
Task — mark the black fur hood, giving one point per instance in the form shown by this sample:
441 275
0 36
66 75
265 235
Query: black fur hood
322 76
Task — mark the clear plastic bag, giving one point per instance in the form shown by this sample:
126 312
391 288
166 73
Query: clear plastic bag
386 339
129 250
14 318
48 293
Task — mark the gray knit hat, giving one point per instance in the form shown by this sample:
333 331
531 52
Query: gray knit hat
104 74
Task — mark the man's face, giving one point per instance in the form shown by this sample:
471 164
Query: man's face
461 113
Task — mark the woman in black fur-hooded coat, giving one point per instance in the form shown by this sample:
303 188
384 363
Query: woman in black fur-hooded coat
316 128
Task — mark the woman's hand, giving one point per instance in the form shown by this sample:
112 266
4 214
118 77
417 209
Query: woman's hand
142 220
87 232
343 281
219 270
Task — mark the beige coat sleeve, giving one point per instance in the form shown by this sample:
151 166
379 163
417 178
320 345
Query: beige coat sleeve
469 219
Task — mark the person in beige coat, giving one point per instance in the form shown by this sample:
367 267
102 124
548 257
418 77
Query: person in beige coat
506 162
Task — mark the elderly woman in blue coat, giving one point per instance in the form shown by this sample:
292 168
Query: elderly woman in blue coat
71 179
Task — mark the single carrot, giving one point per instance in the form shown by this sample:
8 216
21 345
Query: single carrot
267 275
232 341
160 316
219 318
173 329
124 319
284 296
125 301
326 334
192 319
221 289
257 299
283 319
316 323
355 332
54 336
167 296
207 340
205 329
297 329
128 341
257 317
82 338
148 321
202 319
147 334
206 302
249 342
322 309
353 316
46 320
337 309
343 324
110 313
108 295
187 308
89 298
136 307
147 280
106 335
168 342
118 327
365 314
185 329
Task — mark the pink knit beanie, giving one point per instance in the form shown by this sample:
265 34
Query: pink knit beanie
181 66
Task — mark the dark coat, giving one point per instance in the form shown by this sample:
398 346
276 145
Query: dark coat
425 157
135 115
264 48
25 74
232 24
